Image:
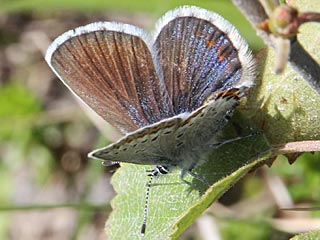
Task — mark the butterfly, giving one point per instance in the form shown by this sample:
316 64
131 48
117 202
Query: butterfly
169 92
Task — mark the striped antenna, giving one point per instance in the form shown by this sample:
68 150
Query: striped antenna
145 210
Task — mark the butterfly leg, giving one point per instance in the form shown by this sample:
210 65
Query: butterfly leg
219 144
196 176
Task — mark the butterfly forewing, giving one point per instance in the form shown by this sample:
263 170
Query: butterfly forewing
155 144
112 71
197 58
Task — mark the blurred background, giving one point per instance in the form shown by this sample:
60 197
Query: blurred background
48 187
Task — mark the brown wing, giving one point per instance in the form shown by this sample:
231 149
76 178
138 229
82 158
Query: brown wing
110 67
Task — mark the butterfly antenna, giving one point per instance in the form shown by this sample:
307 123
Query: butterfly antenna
145 210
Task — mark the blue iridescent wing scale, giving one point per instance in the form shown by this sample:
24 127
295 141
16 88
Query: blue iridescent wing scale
199 54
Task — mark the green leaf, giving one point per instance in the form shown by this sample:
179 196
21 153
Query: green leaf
284 106
173 205
307 236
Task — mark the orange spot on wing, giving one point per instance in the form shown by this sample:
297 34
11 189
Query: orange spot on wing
210 43
221 54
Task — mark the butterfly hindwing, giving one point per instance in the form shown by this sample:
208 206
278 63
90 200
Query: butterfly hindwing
162 143
153 144
202 125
